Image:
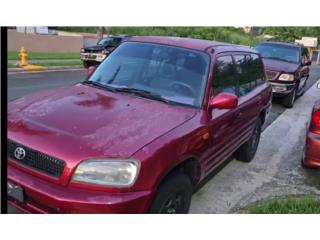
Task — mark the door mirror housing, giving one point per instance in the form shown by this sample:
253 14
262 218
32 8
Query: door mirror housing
318 85
90 70
223 101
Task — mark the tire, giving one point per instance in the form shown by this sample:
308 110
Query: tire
303 165
302 91
289 100
86 64
173 196
247 151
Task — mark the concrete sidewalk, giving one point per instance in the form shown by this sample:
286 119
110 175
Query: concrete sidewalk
275 171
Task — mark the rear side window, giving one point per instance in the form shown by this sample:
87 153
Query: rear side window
255 69
224 79
242 72
249 72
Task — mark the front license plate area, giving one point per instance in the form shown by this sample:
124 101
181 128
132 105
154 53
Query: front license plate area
278 89
15 191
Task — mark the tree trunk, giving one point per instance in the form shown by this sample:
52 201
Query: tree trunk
100 32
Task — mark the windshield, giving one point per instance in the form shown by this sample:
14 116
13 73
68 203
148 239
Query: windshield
279 52
175 74
105 41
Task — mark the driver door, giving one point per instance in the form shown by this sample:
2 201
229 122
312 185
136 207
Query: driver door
222 124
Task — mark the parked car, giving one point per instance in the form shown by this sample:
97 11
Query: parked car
287 69
311 156
150 123
94 55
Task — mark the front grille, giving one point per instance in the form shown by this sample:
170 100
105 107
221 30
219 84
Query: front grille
271 75
93 51
37 160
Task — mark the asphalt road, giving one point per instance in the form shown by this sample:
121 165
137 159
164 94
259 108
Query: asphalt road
217 194
21 84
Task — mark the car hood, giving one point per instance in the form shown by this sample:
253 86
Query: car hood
81 122
96 48
280 66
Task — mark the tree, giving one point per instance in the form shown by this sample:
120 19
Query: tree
289 34
100 32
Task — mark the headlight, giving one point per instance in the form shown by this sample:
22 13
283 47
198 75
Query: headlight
107 172
82 50
105 51
286 77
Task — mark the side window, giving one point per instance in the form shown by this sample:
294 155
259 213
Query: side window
243 74
223 79
255 70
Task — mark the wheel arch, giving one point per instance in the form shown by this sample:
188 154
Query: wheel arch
189 166
263 115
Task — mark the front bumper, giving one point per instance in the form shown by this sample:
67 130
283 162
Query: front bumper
97 57
44 197
312 154
282 89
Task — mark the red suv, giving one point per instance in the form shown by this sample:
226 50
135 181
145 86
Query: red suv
153 120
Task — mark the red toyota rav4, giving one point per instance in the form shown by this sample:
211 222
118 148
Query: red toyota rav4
155 118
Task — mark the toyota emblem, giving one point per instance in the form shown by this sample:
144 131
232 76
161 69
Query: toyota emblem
19 153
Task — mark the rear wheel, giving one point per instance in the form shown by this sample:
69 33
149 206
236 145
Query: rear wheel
173 195
247 151
289 100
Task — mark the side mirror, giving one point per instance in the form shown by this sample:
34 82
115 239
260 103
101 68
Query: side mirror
90 70
318 85
306 62
224 101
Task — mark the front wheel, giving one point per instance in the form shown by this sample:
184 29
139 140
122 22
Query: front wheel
289 100
302 90
173 195
86 64
247 151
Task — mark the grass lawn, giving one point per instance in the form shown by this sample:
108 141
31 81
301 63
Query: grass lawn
290 204
33 55
54 64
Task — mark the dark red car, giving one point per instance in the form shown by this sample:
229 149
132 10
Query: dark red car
153 120
312 149
287 69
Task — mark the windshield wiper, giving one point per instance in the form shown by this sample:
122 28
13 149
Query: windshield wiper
98 84
144 93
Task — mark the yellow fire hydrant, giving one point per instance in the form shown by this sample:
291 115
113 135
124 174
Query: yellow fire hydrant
23 57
